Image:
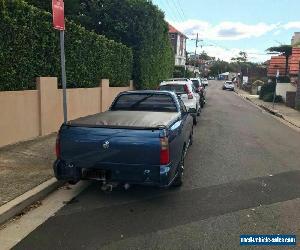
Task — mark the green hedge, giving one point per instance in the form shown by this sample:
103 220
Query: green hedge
266 89
29 47
270 96
180 72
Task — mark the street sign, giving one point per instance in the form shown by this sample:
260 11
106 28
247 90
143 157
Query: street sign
58 9
58 14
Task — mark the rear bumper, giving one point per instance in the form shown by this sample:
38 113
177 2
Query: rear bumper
160 176
227 87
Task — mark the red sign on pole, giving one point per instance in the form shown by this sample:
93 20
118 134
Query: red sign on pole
58 14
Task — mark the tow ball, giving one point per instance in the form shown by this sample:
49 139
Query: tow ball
108 187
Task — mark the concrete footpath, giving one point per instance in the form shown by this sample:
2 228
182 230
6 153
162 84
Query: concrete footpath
290 115
25 174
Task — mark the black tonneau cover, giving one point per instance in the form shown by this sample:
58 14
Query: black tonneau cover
127 119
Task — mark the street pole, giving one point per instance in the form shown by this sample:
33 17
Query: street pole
58 15
63 73
195 55
274 96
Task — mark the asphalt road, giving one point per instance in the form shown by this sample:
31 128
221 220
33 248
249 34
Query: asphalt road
242 176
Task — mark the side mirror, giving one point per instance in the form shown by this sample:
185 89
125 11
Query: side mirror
192 110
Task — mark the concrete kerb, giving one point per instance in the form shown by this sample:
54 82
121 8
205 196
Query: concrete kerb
274 114
17 205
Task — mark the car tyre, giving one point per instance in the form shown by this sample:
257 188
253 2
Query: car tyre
72 182
178 181
195 120
191 138
202 103
199 111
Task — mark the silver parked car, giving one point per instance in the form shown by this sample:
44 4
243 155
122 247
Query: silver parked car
228 85
187 93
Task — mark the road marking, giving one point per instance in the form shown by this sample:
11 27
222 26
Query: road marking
14 231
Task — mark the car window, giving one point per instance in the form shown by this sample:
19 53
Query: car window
177 88
196 83
145 102
193 88
182 106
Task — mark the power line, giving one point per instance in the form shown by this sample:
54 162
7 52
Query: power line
174 12
165 9
177 10
181 9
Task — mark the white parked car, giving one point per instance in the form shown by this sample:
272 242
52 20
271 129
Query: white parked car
228 85
204 81
187 93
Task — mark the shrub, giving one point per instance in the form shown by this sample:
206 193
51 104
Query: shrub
257 83
266 89
269 98
29 48
180 72
139 24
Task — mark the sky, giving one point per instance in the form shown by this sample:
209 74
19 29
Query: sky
229 26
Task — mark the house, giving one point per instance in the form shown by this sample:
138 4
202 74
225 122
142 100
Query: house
276 63
295 39
294 64
178 41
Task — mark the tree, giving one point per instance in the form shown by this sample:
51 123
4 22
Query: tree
139 24
220 66
285 50
241 58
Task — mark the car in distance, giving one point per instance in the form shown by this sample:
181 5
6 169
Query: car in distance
204 81
187 93
228 85
142 139
200 88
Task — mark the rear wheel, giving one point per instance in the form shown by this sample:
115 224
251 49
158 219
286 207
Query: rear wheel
195 120
72 182
202 103
191 138
179 178
199 111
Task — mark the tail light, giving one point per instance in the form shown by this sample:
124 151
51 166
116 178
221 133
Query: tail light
164 151
57 147
190 95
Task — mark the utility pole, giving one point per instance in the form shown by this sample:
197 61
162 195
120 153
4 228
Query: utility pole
274 95
195 55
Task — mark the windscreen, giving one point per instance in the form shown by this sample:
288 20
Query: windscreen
196 83
145 102
177 88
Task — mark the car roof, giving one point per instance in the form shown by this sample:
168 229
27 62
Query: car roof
177 79
158 92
